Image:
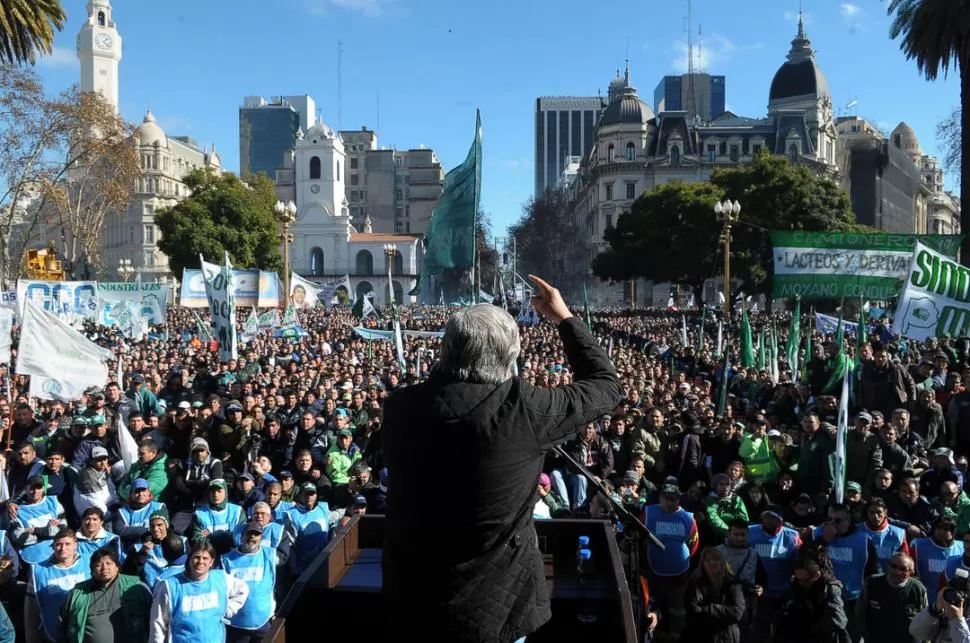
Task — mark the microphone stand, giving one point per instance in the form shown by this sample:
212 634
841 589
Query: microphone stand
632 528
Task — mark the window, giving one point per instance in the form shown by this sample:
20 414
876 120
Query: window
354 179
675 155
150 258
630 151
755 150
711 153
338 170
398 212
792 153
353 163
631 190
609 191
354 195
609 221
316 261
315 167
149 234
365 263
398 195
610 153
101 20
735 154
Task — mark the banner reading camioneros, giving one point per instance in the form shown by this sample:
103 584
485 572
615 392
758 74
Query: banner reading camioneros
833 265
936 298
258 288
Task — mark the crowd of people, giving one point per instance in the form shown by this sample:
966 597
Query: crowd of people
247 467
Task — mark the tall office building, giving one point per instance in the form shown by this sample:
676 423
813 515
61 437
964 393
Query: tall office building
268 129
565 126
673 95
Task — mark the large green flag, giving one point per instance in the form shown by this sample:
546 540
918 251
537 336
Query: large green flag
451 235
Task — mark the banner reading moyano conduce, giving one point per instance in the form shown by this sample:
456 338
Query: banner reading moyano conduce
936 298
833 265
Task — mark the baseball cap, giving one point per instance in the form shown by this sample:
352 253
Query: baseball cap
285 474
35 481
544 479
854 487
252 525
184 405
308 486
247 476
138 379
670 490
217 483
865 417
360 501
99 452
774 433
139 483
346 433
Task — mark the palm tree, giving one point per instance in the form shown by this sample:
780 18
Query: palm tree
27 27
936 33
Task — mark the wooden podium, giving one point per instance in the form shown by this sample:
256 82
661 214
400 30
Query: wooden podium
340 592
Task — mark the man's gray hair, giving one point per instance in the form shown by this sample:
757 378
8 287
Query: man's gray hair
265 505
481 344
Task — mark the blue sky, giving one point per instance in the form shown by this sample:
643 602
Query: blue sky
432 62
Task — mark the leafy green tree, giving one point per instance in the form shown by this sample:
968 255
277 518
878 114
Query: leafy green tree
934 34
222 213
776 195
670 234
27 28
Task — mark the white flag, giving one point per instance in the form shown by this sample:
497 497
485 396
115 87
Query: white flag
222 306
6 341
61 362
126 444
399 344
840 436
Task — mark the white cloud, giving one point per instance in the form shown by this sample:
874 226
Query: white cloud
852 15
59 58
850 10
366 7
709 51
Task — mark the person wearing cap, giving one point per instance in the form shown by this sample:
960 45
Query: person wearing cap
39 518
776 546
109 606
216 520
307 525
95 488
756 451
272 531
193 605
816 458
341 457
160 554
244 492
723 506
549 503
97 436
50 581
151 466
131 518
254 564
142 398
192 483
474 410
863 452
677 530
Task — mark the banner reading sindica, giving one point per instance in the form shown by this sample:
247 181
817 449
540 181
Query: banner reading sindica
833 265
936 298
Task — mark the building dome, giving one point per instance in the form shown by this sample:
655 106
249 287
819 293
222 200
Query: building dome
905 138
626 107
319 132
150 132
799 76
616 86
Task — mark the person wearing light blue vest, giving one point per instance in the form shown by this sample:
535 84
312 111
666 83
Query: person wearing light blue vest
887 538
190 607
851 551
272 531
50 582
274 497
38 520
131 519
171 561
776 546
216 520
254 564
308 524
931 554
677 530
92 535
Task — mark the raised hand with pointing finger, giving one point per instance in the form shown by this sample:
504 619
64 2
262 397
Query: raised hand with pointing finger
548 302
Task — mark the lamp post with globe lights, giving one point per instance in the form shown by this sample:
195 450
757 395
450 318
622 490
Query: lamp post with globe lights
286 215
728 213
390 250
125 270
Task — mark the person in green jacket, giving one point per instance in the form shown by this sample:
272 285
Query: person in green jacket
723 506
109 606
150 466
341 456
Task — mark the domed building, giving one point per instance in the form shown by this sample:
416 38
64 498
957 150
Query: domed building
164 161
635 150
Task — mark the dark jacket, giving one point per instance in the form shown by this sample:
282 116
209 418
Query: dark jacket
477 576
813 615
713 616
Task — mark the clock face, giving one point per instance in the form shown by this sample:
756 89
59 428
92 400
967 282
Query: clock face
103 41
315 188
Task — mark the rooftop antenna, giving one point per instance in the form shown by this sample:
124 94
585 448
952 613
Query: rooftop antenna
378 130
340 99
691 96
700 49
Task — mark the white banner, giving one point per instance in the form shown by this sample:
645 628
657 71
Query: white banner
303 293
936 297
6 327
222 306
841 261
151 301
69 300
61 362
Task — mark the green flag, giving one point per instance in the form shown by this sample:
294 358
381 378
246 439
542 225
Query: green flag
860 339
747 347
840 329
586 316
761 351
794 334
722 398
451 235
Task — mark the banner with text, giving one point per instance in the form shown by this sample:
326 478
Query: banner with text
258 288
833 265
150 303
68 300
222 307
936 298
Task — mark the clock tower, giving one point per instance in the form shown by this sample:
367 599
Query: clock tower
99 50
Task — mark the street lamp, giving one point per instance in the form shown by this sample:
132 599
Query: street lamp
728 213
286 215
390 250
125 269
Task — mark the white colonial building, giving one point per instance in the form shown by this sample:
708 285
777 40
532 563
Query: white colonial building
326 246
99 52
635 151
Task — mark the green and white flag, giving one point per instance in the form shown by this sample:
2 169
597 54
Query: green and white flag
833 265
250 327
840 436
936 297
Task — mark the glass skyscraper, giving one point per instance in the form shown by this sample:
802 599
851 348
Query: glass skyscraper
565 127
267 130
672 92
